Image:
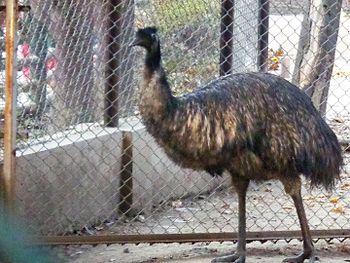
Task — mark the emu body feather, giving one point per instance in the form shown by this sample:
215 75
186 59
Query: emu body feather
256 125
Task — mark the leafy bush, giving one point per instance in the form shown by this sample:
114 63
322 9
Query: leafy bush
173 14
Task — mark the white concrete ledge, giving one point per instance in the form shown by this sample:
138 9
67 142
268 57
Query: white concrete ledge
73 181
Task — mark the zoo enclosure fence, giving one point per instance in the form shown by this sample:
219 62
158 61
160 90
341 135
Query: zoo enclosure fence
83 163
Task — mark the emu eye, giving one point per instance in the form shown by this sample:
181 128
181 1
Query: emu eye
154 36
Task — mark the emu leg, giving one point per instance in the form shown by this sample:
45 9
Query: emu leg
239 257
309 251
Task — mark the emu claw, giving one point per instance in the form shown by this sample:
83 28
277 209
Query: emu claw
300 259
235 258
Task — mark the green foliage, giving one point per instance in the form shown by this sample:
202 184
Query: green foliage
178 13
185 79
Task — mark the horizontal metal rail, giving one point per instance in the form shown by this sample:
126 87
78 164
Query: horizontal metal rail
21 8
188 238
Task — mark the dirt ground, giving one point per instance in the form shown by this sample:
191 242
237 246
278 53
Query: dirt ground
217 212
268 252
191 215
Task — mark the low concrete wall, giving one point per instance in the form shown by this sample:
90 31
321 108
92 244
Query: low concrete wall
64 186
73 181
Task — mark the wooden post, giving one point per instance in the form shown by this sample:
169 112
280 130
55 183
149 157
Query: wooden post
226 38
8 176
126 180
263 34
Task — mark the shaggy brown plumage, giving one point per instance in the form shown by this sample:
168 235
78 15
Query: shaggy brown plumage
256 126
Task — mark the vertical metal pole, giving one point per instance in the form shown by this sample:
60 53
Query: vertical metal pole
112 70
8 178
263 34
226 38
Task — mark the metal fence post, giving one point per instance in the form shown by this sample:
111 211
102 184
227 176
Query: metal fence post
8 177
263 34
226 38
112 71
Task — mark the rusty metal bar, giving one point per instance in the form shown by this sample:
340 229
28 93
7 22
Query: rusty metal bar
126 180
263 34
112 72
226 38
21 8
188 238
8 178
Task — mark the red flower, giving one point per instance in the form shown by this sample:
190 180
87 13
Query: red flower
26 72
51 63
25 49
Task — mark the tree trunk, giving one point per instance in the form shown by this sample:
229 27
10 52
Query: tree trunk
316 50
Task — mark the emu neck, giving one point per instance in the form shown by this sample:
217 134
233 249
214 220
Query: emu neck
153 59
156 100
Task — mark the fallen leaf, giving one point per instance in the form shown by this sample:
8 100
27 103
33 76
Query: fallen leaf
338 119
344 248
140 218
227 212
334 199
279 52
76 253
87 230
225 206
338 210
345 186
309 197
176 203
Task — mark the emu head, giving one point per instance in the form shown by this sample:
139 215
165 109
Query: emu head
148 38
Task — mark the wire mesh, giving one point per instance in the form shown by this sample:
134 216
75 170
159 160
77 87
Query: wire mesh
85 163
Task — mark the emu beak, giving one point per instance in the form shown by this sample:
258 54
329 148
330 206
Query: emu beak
135 42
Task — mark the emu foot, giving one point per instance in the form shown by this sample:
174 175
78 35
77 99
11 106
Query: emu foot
235 258
300 259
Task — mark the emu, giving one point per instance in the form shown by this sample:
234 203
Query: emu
256 126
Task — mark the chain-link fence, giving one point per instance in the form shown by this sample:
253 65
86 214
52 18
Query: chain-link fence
85 163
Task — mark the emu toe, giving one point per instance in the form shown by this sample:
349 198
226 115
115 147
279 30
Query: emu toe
235 258
300 259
